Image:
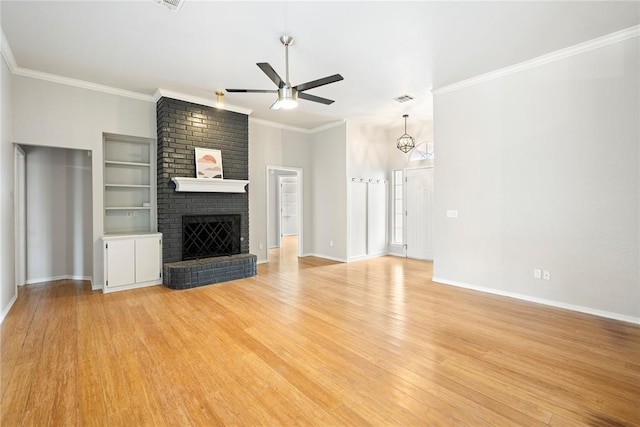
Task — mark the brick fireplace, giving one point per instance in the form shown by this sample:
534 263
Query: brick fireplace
183 126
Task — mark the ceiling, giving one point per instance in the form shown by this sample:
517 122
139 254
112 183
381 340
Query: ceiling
383 49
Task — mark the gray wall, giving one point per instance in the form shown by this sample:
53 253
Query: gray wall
272 146
57 115
8 290
542 166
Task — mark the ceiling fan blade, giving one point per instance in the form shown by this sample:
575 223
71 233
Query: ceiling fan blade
319 82
314 98
251 91
271 73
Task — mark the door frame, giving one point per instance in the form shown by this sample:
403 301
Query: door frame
20 215
404 204
269 208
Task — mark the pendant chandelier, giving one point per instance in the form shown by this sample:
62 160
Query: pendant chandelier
406 142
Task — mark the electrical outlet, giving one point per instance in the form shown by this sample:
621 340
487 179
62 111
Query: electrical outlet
260 246
546 275
128 213
330 242
135 213
537 273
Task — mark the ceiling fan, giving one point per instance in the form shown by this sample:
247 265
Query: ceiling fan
288 95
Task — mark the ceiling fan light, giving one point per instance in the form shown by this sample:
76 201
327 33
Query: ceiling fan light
287 99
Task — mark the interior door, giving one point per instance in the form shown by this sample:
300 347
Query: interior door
418 208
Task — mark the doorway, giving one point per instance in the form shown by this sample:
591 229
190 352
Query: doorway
284 212
54 240
419 218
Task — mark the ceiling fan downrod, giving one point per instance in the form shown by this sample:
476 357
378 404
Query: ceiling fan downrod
286 41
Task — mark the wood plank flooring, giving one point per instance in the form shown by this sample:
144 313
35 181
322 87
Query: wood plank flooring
312 342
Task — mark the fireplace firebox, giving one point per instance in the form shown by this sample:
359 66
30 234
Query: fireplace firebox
205 236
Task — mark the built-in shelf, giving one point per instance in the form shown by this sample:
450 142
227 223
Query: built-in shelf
203 185
111 162
126 208
127 186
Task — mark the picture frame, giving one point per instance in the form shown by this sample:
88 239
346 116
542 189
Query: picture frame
208 163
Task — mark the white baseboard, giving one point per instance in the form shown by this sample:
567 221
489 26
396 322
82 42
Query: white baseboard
557 304
326 257
54 278
264 261
7 308
368 256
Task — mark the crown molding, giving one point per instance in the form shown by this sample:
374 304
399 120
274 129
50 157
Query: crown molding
82 84
198 100
295 128
7 53
557 55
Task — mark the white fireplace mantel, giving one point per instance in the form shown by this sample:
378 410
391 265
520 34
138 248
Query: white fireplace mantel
203 185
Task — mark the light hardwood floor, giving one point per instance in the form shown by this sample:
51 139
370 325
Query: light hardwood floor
311 341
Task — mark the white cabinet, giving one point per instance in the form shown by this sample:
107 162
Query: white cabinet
132 261
129 185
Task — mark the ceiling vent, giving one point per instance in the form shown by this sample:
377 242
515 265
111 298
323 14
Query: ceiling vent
174 5
404 98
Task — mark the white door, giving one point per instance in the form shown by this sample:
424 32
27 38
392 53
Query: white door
147 259
121 263
419 202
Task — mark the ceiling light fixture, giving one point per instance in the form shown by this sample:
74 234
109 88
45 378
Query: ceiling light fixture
287 99
219 102
406 142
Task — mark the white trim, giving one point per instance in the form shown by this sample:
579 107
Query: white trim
577 49
55 278
551 303
7 54
295 128
368 256
326 257
203 185
6 310
83 84
300 202
264 261
209 102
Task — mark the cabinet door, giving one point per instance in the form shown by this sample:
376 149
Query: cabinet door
147 259
120 262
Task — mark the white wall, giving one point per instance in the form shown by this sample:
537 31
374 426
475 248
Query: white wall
272 146
79 214
55 115
372 153
8 290
329 189
46 213
58 214
542 166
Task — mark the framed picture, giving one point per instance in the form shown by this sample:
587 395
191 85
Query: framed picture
208 163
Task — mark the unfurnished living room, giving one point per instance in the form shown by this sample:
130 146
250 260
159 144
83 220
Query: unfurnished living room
335 213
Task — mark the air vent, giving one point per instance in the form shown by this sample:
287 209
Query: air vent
404 98
171 4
